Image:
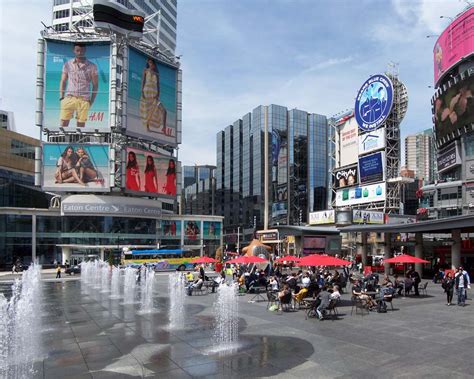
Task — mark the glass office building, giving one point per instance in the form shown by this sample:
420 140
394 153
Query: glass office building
297 168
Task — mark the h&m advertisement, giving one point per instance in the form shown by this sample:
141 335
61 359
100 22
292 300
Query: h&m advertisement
367 217
322 217
76 167
148 173
151 108
361 195
346 177
371 168
76 86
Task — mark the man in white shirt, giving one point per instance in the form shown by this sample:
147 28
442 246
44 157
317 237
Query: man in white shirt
461 284
335 293
305 281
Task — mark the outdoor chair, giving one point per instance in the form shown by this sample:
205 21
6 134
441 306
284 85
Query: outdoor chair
389 300
332 308
199 290
359 304
422 289
285 302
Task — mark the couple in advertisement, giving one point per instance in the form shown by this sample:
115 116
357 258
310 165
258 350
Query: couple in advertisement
75 167
134 177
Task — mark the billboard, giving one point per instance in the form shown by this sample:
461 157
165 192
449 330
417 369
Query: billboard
361 195
148 173
454 44
371 168
454 108
192 230
367 217
372 141
151 100
76 167
346 177
76 86
373 102
313 244
171 228
211 229
322 217
347 143
449 157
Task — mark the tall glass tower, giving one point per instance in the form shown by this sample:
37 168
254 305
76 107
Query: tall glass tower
297 167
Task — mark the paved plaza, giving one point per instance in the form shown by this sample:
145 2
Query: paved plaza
92 336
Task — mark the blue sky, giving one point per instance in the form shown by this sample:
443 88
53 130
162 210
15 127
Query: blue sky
306 54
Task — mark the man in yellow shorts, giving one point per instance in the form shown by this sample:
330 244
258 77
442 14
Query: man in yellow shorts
80 77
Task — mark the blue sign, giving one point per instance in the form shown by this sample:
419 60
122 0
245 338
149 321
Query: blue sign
371 168
373 102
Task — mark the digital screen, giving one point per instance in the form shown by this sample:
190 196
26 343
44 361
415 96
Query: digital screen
371 168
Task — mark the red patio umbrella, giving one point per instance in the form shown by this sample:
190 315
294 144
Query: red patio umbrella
322 260
204 260
405 258
247 259
287 258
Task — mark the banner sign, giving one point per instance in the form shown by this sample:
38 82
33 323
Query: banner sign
371 168
373 102
367 217
322 217
347 143
372 141
448 158
361 195
346 177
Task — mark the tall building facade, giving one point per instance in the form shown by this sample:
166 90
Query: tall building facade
199 185
76 15
297 168
420 155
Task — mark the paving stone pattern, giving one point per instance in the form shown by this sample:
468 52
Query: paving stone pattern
88 335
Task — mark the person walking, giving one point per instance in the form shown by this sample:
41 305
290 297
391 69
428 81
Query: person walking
448 286
461 286
416 281
58 272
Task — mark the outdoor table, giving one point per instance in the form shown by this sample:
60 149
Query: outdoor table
258 294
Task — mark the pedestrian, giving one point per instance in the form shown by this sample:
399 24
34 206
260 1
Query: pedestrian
58 272
461 286
448 286
416 281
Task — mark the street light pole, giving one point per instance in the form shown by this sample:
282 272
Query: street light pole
238 239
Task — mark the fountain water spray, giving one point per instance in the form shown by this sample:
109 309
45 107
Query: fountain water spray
20 323
177 295
115 283
105 277
129 286
147 283
226 313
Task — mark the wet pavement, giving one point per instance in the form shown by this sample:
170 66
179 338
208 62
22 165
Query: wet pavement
88 335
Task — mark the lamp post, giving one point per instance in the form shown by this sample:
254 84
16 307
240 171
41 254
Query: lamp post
238 239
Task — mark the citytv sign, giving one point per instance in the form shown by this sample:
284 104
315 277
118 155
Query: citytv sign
373 102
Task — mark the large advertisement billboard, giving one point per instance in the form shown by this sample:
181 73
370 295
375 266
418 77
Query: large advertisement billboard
347 145
372 141
211 229
148 173
151 100
360 216
371 168
76 167
346 177
454 108
361 195
171 228
76 86
454 44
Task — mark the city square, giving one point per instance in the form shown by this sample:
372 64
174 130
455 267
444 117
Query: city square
272 188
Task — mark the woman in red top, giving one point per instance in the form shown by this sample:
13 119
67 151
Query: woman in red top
133 173
170 186
151 179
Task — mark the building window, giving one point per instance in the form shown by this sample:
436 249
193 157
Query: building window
61 14
3 121
22 149
61 2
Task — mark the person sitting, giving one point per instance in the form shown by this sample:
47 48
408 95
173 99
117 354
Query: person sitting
189 277
357 292
305 281
386 281
196 285
399 284
216 282
408 285
284 296
274 284
325 297
303 292
291 281
336 295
